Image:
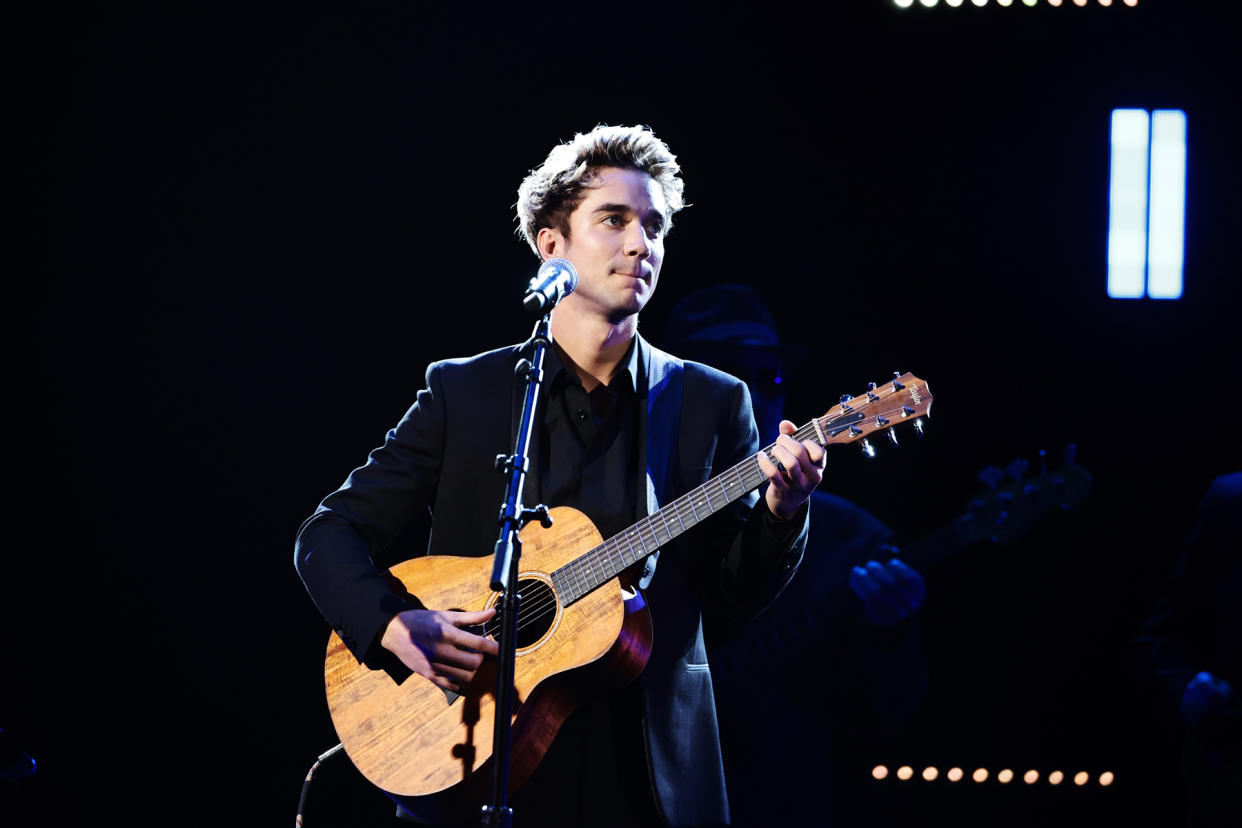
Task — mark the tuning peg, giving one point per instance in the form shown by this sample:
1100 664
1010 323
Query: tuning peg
867 448
897 386
918 427
855 431
990 476
892 436
845 398
1017 468
871 395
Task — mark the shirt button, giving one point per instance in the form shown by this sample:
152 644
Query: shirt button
581 414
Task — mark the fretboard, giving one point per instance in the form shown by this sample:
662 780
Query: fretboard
617 554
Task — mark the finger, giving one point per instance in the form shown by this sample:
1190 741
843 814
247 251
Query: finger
908 596
457 675
786 427
809 456
466 640
862 583
774 475
451 656
882 576
817 454
464 619
909 579
793 460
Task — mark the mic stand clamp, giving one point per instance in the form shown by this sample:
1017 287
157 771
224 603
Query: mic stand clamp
508 553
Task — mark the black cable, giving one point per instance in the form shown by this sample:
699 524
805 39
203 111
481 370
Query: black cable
306 784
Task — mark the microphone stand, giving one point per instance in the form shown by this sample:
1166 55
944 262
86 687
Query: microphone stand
498 814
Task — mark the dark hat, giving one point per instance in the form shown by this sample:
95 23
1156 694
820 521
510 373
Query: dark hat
729 322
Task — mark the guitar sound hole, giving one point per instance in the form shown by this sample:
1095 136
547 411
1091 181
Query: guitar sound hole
536 612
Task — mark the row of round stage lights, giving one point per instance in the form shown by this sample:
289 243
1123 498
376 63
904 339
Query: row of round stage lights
905 4
931 774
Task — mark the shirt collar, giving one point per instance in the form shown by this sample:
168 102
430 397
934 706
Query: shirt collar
555 366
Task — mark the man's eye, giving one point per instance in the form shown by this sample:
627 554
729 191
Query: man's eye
613 220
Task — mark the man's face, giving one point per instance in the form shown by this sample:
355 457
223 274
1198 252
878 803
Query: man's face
616 243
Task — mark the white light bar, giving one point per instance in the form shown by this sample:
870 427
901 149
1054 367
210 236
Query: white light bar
1167 204
1127 204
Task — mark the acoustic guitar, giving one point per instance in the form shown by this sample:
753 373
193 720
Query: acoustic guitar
430 749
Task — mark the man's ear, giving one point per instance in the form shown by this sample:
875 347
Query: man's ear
550 241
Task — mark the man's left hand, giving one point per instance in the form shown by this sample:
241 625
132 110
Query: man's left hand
798 469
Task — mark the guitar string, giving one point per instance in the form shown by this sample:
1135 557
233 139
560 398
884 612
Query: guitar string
604 552
547 597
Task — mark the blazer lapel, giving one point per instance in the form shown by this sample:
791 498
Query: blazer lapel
658 423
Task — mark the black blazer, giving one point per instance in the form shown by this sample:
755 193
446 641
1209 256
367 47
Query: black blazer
695 422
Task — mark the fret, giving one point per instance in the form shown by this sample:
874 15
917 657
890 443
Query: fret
668 530
692 510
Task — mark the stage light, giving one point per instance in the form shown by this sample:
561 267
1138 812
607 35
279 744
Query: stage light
1005 776
954 774
928 3
1029 2
880 772
1054 2
1147 204
903 4
1106 779
980 3
1030 777
1055 778
1127 204
953 3
1080 2
930 774
1130 3
1167 204
980 775
1106 2
1005 2
1081 778
905 772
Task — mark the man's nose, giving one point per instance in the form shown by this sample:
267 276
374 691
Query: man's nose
637 243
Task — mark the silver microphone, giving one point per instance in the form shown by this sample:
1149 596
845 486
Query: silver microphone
555 280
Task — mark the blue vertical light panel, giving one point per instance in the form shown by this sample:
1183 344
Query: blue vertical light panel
1166 210
1127 204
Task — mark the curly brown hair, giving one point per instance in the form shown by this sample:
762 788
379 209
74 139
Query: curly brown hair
552 192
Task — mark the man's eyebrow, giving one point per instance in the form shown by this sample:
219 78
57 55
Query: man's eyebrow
626 208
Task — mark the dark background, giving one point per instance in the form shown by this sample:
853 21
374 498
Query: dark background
243 232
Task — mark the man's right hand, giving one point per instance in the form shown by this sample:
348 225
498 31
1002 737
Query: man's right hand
433 644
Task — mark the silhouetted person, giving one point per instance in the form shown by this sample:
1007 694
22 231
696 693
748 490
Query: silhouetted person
836 662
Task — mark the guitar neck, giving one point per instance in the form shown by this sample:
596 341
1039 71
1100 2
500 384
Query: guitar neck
905 397
626 548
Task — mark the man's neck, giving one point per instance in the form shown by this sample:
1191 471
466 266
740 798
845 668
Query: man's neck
592 347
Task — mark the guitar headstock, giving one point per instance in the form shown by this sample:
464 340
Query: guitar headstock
904 399
1013 503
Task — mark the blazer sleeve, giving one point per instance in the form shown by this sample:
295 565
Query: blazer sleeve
335 546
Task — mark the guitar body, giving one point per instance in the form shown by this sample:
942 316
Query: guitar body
430 749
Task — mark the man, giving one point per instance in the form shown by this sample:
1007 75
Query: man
623 428
848 617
